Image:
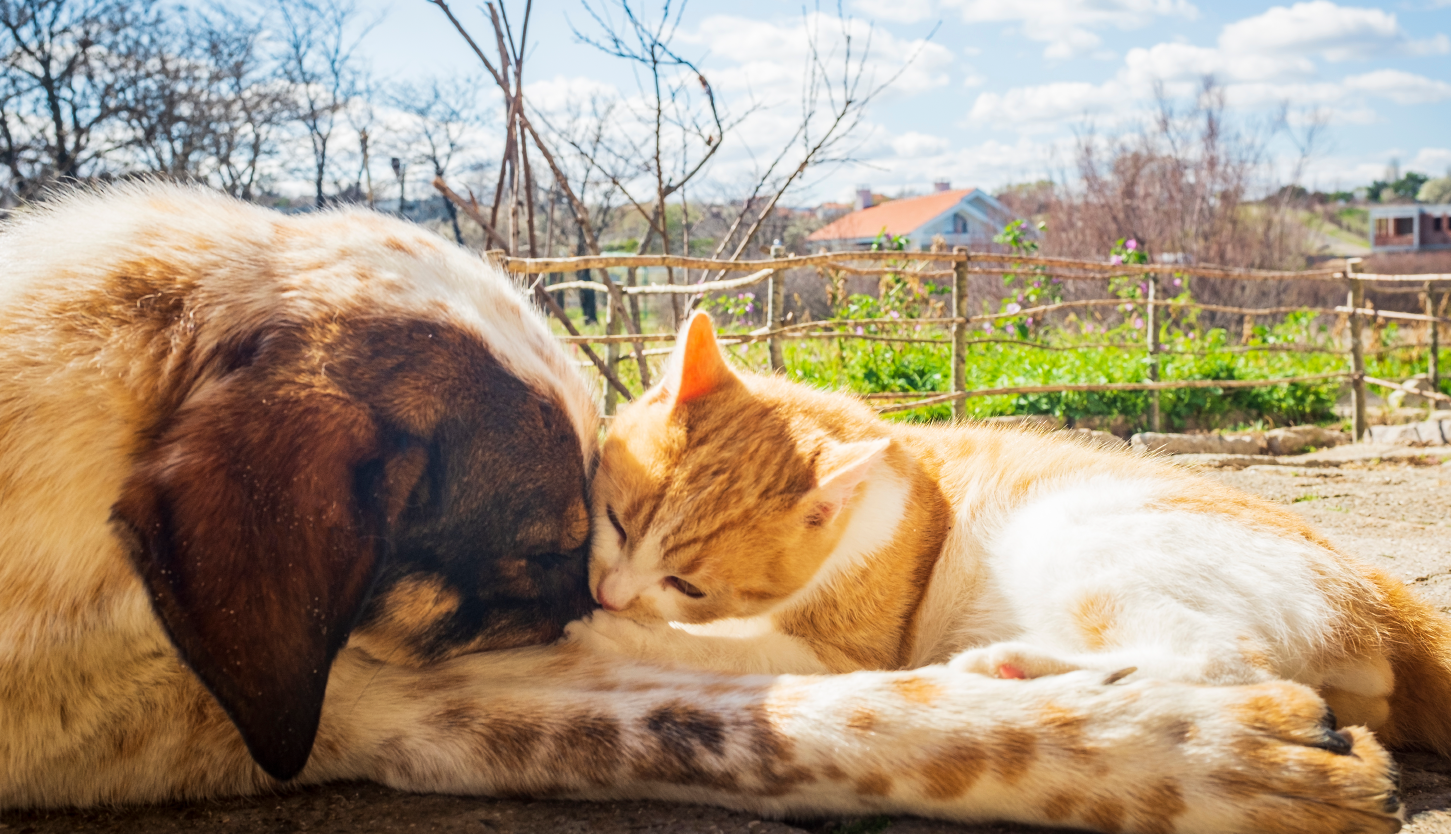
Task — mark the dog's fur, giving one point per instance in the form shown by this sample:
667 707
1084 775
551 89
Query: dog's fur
277 493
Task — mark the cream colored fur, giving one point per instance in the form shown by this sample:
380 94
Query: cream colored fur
97 707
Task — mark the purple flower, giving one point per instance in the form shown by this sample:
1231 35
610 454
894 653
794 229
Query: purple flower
1138 323
750 308
1143 287
1177 282
1087 328
1131 245
1012 307
896 315
988 326
1115 259
1030 321
1191 335
918 328
1036 285
859 330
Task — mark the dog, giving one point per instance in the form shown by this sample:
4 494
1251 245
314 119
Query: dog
292 499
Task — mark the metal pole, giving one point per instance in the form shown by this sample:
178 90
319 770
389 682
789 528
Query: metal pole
776 311
1151 322
1433 363
1357 349
959 333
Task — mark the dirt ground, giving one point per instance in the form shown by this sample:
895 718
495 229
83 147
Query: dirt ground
1395 513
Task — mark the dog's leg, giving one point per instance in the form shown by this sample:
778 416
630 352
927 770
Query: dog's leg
1067 749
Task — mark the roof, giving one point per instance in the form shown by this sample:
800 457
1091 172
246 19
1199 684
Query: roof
898 217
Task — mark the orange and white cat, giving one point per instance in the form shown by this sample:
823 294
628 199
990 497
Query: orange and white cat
746 523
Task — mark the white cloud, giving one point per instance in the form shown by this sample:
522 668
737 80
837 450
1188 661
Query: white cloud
1320 27
770 58
1048 106
1400 87
1068 26
913 144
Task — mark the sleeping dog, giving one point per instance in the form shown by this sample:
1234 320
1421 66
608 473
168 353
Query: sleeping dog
297 499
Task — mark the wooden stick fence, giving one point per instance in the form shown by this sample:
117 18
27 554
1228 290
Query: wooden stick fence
964 263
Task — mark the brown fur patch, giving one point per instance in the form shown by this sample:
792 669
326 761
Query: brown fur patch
862 720
1156 807
590 748
874 783
1105 815
949 773
1060 805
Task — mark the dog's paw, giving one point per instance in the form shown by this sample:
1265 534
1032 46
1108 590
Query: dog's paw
1012 660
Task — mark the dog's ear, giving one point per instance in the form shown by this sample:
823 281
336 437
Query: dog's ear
255 523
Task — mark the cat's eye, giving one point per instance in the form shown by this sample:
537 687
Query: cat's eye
615 520
683 587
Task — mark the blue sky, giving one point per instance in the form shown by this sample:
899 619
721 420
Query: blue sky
999 91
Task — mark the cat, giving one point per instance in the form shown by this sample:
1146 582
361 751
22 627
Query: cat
746 523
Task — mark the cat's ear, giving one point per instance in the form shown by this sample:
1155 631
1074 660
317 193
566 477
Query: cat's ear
697 367
839 473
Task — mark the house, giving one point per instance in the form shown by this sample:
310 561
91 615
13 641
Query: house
964 217
1410 228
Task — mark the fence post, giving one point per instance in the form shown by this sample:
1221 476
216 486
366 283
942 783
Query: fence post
959 332
1151 322
1357 348
776 311
612 352
1433 363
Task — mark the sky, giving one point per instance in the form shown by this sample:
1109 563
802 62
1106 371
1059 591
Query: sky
994 92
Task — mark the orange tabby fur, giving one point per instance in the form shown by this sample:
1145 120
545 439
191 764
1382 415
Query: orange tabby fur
738 488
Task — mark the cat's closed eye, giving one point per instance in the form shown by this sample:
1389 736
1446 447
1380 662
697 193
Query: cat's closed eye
615 520
683 587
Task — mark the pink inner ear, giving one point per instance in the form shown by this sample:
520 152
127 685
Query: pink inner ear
702 368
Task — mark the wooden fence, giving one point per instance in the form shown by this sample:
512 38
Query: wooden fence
958 265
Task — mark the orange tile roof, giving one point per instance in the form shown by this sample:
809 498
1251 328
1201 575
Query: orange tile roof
898 216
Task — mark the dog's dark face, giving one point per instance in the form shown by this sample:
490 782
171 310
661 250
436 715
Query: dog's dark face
381 481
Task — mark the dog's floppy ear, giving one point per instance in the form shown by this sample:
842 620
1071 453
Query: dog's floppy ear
254 522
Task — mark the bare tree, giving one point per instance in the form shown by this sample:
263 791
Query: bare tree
61 86
446 116
320 40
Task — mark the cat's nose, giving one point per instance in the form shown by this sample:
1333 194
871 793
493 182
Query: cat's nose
602 594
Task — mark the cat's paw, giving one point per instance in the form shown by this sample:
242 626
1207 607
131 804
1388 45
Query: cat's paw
1012 660
609 633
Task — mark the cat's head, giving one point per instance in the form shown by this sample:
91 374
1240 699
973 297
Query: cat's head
721 493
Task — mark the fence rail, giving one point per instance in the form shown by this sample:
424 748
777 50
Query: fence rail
962 264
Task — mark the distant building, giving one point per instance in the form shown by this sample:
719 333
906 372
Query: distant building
1410 228
965 217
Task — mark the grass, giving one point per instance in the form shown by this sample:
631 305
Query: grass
870 366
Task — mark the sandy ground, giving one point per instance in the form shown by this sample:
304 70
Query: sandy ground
1393 513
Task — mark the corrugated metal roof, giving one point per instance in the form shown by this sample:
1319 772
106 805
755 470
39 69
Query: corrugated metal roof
898 217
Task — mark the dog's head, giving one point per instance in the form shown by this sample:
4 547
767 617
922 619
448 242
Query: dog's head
339 470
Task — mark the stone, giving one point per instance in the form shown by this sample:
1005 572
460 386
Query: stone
1295 440
1252 443
1428 433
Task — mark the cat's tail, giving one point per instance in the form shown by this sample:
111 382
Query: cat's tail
1417 641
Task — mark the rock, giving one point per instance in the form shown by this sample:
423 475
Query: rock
1295 440
1101 439
1117 424
1428 433
1252 443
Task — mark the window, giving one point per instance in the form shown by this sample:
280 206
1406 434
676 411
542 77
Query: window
959 225
1382 226
1405 225
1435 224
